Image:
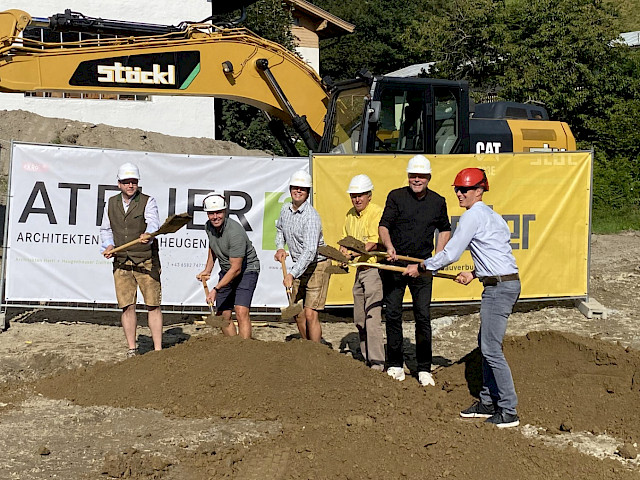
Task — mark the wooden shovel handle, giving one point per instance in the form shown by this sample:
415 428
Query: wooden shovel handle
131 243
284 267
284 275
206 292
395 268
204 284
399 257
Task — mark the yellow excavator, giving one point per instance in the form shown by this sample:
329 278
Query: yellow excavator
368 114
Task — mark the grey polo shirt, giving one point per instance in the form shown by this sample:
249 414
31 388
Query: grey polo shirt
232 242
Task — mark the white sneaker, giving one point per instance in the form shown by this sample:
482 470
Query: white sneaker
396 373
426 379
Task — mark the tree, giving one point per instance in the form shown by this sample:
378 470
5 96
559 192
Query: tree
241 123
567 56
376 44
564 54
463 38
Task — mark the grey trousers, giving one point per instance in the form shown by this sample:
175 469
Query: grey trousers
495 308
367 314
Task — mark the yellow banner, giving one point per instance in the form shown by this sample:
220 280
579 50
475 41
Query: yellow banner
544 197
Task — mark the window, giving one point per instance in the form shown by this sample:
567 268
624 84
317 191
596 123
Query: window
401 124
40 34
89 96
348 120
446 120
515 112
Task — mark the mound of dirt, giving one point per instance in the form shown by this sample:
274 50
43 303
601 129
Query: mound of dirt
341 420
29 127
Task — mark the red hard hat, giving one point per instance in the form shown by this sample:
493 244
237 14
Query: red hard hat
472 177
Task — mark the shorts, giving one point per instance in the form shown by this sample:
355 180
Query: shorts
312 286
128 276
238 292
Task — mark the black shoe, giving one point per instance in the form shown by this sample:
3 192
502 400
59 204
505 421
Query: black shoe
479 410
504 420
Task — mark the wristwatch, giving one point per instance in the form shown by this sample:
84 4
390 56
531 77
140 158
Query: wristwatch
421 267
216 289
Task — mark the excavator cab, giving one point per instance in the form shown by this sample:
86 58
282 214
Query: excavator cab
398 115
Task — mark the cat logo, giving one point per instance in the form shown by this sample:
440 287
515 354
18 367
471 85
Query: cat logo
117 73
488 147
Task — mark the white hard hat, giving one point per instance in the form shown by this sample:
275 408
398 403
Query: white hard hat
213 202
360 184
128 170
419 164
300 179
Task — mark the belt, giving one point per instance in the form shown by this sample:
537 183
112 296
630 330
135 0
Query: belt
362 268
494 280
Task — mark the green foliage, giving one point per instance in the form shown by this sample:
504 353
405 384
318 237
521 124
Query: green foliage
629 14
377 43
563 54
463 37
246 126
610 220
241 123
615 182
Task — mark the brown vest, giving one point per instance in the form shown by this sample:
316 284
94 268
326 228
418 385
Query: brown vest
128 226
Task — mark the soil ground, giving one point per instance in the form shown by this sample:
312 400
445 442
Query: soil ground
276 407
207 407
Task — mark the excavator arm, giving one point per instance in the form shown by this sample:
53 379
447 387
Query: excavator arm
195 59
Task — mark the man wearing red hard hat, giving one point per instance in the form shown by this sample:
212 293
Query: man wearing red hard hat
487 235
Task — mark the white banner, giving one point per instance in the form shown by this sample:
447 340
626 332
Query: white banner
57 200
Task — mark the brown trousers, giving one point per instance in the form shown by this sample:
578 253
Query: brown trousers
367 314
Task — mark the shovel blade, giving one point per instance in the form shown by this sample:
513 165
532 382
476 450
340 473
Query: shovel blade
216 321
353 244
333 253
336 270
292 310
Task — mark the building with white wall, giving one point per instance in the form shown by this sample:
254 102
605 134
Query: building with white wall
171 115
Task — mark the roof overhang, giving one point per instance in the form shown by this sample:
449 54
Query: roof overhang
328 24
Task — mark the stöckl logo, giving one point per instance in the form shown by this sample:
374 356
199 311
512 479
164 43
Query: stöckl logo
118 73
157 71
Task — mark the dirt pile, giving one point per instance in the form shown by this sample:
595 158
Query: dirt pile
339 419
29 127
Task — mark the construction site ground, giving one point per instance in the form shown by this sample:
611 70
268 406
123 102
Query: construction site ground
206 407
276 407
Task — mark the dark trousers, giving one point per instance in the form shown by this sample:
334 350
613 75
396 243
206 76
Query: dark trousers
394 285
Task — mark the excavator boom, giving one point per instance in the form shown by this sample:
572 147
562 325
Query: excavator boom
198 60
385 114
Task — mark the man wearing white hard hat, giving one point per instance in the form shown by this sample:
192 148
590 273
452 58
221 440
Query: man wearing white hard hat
362 223
239 266
410 219
128 216
300 228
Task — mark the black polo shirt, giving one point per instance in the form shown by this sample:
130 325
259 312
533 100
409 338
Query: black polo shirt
412 222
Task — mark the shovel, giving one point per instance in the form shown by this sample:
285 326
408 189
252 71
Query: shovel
294 308
338 256
212 319
171 225
357 246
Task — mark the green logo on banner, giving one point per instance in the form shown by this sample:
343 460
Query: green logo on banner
272 207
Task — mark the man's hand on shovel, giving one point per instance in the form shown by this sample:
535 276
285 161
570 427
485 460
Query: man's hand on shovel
412 270
293 309
171 225
212 319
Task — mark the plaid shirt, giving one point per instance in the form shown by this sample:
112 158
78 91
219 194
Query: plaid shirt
301 230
